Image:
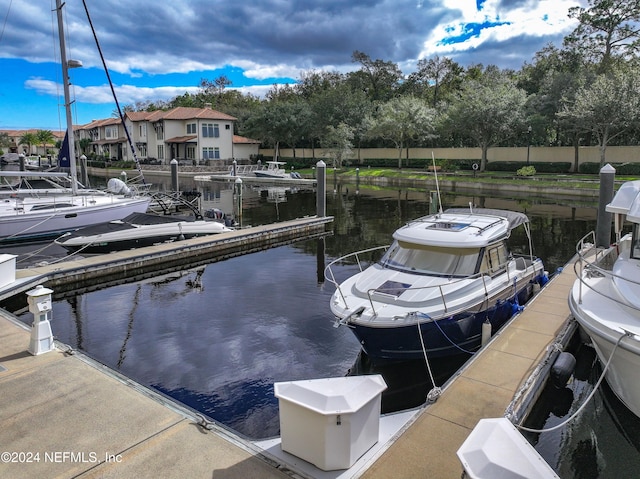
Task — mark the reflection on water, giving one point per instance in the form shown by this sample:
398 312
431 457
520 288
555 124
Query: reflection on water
602 442
218 337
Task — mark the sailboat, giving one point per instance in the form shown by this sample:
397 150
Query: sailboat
32 218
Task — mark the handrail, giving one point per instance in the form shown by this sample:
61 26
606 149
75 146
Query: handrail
328 271
329 275
586 267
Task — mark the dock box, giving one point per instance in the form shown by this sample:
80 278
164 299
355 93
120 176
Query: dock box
330 422
7 269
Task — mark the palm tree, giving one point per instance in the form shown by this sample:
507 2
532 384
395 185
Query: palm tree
28 139
45 137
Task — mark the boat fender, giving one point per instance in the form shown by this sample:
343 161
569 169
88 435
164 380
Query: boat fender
486 332
562 369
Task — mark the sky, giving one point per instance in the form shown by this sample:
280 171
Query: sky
157 50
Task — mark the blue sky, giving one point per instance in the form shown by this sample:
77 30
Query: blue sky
157 50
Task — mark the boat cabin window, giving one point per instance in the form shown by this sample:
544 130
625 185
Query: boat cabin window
430 260
494 259
635 242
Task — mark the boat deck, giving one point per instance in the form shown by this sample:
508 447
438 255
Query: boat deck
54 404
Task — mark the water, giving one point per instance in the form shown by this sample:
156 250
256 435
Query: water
217 338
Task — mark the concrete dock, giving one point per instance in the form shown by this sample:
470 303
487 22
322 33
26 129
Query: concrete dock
64 415
135 264
484 388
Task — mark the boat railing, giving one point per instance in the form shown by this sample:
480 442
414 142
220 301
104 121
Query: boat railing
595 262
440 288
485 277
352 258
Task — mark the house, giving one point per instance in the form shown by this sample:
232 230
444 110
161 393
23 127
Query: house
191 135
35 149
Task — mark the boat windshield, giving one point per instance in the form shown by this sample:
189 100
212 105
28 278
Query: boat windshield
431 260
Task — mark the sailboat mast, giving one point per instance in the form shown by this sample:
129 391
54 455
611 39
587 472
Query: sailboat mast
67 99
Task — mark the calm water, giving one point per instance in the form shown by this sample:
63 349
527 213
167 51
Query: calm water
217 338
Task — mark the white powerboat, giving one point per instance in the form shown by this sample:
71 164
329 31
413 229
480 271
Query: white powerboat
137 230
274 170
443 277
605 299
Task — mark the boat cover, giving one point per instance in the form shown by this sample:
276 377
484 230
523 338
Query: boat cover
128 222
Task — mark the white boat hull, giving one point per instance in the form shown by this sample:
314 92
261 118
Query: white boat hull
604 317
121 235
27 220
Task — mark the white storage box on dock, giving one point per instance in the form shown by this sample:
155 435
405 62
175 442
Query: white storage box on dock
495 449
330 422
7 269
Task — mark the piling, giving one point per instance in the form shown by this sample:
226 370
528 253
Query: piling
604 219
174 175
321 196
238 188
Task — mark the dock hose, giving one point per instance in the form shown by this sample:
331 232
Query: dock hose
595 388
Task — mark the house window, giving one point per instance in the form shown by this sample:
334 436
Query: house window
227 127
191 129
111 132
159 131
191 152
142 130
142 149
209 153
210 130
161 152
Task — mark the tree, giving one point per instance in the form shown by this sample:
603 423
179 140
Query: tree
28 139
84 144
338 140
378 78
609 31
434 74
401 120
608 107
5 139
280 122
487 110
44 137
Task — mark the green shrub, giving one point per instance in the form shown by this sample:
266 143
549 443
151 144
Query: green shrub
526 171
627 169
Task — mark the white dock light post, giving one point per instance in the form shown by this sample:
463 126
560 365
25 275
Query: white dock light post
39 300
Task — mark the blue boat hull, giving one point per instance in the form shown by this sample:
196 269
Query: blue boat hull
444 337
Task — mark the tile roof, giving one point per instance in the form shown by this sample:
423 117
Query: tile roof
241 139
181 139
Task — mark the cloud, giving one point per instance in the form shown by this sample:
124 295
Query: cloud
102 93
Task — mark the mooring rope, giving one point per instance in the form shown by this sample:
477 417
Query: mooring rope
434 393
589 397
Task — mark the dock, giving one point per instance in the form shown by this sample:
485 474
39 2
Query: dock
483 388
83 274
255 180
55 406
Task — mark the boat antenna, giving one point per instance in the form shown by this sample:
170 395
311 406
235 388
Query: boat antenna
67 99
113 92
435 172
